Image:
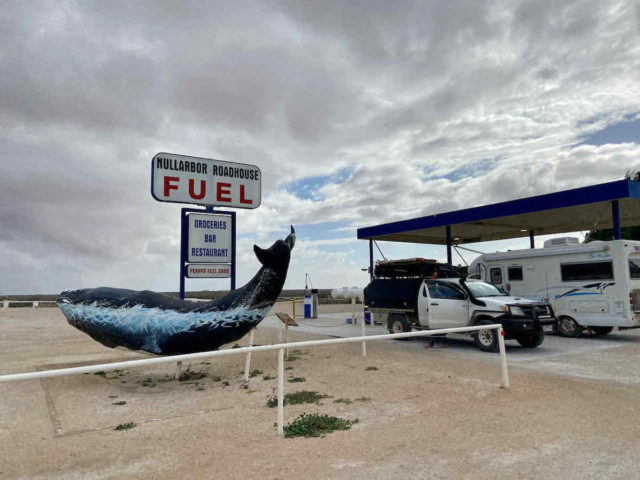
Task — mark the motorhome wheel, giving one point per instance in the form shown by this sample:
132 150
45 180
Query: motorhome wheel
602 330
568 327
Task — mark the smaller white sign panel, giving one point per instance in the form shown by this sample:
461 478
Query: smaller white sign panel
208 270
209 238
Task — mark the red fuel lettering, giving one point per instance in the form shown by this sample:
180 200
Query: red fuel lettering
168 186
203 189
242 199
223 189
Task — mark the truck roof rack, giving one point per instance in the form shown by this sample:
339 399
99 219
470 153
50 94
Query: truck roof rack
414 268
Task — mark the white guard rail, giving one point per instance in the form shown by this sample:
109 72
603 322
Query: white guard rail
264 348
34 303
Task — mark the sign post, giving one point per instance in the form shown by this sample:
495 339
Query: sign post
207 237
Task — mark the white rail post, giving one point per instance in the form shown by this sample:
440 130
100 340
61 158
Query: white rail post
5 304
286 338
247 359
281 391
503 358
364 343
353 310
35 304
178 371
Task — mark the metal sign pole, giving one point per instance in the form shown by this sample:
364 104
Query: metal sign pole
183 248
233 250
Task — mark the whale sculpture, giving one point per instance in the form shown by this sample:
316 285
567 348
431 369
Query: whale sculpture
165 325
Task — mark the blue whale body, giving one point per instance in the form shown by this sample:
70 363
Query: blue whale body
165 325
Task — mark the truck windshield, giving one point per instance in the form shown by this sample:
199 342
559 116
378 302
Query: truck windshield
482 289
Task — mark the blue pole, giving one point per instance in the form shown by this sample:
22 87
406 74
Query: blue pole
370 259
615 213
448 235
183 249
233 250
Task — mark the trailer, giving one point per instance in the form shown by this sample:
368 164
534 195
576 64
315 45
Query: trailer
591 286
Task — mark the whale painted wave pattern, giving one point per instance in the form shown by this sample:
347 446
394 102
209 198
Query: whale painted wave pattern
153 326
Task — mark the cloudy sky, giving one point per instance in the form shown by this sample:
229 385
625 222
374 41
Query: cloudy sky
357 112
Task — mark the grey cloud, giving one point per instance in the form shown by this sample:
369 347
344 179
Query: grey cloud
91 90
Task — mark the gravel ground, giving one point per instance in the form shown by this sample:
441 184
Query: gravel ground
570 413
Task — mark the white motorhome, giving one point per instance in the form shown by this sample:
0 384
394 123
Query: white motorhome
591 285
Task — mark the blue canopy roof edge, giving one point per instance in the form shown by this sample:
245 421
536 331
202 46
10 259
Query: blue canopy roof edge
603 192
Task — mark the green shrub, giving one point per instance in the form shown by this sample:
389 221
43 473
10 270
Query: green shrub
125 426
316 425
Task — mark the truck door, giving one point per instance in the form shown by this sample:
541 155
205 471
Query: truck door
448 305
423 305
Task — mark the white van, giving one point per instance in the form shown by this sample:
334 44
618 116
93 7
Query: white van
591 285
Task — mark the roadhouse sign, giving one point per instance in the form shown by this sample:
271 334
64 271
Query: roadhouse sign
204 181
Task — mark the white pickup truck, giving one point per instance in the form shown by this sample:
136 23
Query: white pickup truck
432 303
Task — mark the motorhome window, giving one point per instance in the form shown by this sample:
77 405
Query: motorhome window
496 275
634 267
483 289
515 273
441 290
586 271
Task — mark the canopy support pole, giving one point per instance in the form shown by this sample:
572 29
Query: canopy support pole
371 259
615 214
448 234
532 242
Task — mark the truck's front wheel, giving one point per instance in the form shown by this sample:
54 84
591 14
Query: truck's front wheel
532 341
397 323
486 340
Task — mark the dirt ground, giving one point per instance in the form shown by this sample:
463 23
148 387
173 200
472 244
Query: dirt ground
425 414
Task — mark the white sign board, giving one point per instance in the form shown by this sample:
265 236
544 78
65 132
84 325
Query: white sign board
208 270
203 181
209 238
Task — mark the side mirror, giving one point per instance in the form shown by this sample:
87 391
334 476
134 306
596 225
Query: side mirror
507 287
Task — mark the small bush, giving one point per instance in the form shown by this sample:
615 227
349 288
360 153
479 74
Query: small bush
297 398
268 377
125 426
346 401
363 399
288 368
370 369
255 373
148 382
122 402
315 425
189 374
297 379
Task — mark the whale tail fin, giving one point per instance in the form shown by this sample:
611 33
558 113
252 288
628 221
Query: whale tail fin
277 256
